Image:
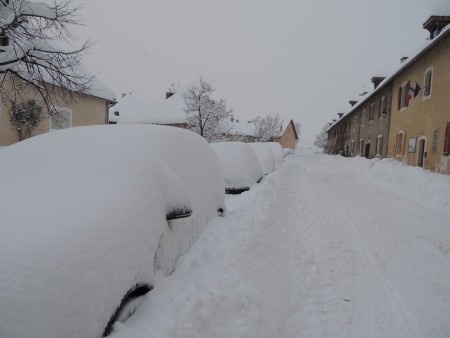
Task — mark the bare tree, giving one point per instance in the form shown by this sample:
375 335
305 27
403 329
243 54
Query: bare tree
274 127
260 131
321 138
205 116
32 63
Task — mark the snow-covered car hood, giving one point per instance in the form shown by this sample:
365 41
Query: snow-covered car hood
264 155
240 164
277 151
84 220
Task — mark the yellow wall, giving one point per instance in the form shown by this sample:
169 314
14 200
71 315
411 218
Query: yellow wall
287 140
424 115
87 110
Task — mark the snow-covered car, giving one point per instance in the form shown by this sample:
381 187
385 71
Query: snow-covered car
264 155
240 166
89 215
288 151
277 151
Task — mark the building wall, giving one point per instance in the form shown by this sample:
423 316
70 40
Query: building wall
87 110
345 136
424 117
287 140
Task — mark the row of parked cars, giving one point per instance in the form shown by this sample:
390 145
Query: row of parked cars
245 164
89 214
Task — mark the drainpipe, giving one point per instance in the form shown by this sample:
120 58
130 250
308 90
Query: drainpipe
109 104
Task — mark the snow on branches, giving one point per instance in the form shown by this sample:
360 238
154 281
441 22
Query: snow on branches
207 117
32 62
321 138
268 128
25 117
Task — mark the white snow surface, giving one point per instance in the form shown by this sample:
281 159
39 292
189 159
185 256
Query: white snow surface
277 151
126 106
288 151
326 246
240 164
264 155
161 110
84 220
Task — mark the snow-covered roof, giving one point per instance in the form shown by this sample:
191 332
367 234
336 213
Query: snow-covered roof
244 128
421 50
126 106
161 110
438 10
98 88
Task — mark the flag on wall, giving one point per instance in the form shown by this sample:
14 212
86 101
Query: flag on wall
413 92
417 90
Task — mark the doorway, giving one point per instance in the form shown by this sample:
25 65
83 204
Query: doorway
421 153
366 154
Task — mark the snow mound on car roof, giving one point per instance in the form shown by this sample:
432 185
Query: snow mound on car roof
277 151
264 155
240 164
84 220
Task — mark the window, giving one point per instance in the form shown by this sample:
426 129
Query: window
428 78
435 141
399 143
447 140
361 146
379 146
412 145
372 111
363 118
65 120
354 122
382 107
403 95
352 147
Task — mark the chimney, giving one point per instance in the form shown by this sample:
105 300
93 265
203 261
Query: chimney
116 113
334 120
376 80
352 102
340 114
403 58
438 19
123 95
168 94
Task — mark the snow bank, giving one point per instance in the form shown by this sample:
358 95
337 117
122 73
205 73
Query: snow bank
264 155
288 151
240 164
277 151
396 176
84 221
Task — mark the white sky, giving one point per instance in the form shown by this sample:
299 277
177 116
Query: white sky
302 59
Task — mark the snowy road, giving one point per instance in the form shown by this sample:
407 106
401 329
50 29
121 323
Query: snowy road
323 247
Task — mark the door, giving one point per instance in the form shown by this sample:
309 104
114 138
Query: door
421 153
367 150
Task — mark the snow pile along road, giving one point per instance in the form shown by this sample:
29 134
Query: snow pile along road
322 247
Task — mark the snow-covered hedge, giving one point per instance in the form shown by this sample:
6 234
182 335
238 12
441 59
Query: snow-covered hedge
277 151
288 151
83 221
264 155
240 165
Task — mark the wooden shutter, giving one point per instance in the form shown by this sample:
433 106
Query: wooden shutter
428 84
406 94
381 146
447 140
403 143
399 98
395 144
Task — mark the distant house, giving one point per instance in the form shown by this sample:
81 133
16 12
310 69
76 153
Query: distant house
241 131
167 109
126 105
85 110
289 137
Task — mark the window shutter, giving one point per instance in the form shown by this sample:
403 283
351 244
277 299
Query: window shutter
376 147
428 84
399 98
447 140
395 144
406 94
403 143
380 151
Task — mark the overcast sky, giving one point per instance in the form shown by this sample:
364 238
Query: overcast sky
302 59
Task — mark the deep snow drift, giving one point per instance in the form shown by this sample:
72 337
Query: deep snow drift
83 220
324 246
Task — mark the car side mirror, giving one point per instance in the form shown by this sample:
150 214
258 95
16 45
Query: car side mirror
176 195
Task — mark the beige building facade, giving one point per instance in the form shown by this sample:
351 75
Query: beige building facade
288 138
84 110
420 126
